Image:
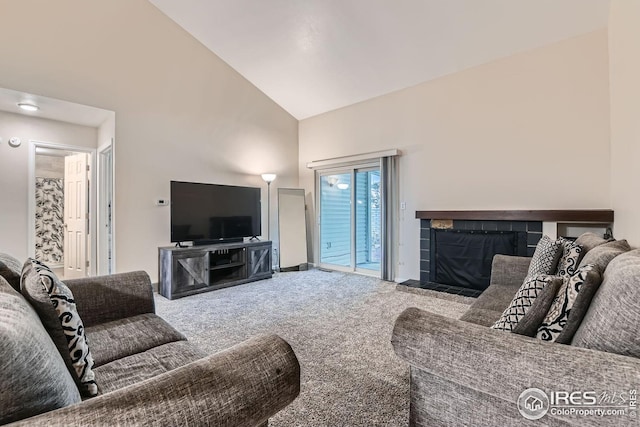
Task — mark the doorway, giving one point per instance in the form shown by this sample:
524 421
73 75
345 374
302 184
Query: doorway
62 208
350 219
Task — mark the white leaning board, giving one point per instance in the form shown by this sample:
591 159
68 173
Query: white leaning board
292 227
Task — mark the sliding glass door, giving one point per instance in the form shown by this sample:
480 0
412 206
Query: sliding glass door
350 219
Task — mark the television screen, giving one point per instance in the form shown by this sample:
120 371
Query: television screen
212 212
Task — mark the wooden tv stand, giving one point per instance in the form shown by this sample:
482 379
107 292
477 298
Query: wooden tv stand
195 269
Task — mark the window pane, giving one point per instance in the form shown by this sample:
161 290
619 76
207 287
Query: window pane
335 219
368 220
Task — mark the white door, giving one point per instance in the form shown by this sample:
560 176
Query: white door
76 215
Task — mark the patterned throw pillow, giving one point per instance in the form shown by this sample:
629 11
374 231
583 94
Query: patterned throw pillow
570 305
528 325
64 307
545 258
571 255
523 302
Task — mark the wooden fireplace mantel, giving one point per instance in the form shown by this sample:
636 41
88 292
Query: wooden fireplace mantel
589 215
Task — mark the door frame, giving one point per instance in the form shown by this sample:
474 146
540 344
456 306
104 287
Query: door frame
351 170
103 241
31 197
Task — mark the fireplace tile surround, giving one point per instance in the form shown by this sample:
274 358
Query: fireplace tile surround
534 223
532 228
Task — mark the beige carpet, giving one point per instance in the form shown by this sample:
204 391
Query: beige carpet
339 326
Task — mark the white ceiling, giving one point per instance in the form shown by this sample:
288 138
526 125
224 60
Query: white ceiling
313 56
53 109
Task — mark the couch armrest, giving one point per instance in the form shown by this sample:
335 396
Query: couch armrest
503 365
509 270
117 296
241 386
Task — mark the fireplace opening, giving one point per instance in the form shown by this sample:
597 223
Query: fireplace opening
463 257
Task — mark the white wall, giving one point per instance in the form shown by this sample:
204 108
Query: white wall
624 48
181 112
530 131
14 170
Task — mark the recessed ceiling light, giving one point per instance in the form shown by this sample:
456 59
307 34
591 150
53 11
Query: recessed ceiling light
28 107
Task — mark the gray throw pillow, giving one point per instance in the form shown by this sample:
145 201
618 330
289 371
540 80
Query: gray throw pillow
602 255
10 269
524 302
611 322
55 305
33 376
532 319
590 240
545 258
570 305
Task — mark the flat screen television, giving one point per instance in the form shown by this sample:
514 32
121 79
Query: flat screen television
210 213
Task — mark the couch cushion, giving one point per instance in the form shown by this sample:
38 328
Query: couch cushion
481 316
495 298
523 303
545 258
56 307
590 240
10 269
121 338
602 255
569 306
33 376
141 366
611 323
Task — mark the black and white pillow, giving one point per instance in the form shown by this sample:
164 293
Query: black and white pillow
555 325
523 302
571 255
63 303
545 258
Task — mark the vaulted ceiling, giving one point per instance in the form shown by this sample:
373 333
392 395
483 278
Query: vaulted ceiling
313 56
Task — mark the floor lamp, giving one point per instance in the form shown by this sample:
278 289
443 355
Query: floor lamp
268 178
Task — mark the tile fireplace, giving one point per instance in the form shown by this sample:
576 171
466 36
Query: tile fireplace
456 247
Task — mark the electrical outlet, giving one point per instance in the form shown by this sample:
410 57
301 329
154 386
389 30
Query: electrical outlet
162 202
403 205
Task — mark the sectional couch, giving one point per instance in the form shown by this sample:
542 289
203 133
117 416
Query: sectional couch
464 373
147 372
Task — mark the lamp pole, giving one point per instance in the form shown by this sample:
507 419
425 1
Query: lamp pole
268 178
268 210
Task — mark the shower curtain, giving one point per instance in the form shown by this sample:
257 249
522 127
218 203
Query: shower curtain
50 220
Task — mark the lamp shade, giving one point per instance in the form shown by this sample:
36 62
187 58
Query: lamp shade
268 177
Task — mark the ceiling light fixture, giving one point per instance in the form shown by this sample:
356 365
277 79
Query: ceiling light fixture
28 106
332 180
343 185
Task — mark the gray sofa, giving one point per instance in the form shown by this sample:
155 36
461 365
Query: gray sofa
147 372
463 373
